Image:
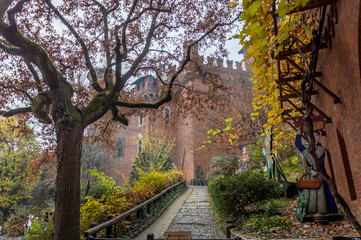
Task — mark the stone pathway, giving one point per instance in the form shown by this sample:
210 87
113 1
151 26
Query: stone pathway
196 216
190 212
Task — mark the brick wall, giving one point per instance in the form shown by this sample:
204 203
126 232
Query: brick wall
188 132
340 66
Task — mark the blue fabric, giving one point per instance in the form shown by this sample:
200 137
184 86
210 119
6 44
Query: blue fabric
331 204
299 144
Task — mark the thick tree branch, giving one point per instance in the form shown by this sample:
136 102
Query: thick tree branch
13 112
4 5
36 75
125 25
11 13
88 63
121 80
156 105
11 51
31 51
122 119
108 75
39 107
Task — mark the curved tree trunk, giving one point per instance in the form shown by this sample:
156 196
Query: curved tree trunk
67 199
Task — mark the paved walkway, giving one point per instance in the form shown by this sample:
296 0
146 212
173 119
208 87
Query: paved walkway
162 223
190 212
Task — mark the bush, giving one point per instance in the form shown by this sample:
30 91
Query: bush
116 200
154 155
14 224
261 224
96 189
274 207
41 230
232 194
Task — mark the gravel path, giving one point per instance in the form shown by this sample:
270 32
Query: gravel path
196 215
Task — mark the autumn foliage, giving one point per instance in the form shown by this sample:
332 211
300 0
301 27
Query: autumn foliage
117 200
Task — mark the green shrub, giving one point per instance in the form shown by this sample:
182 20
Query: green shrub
232 194
96 190
41 230
223 166
155 155
261 224
274 206
14 223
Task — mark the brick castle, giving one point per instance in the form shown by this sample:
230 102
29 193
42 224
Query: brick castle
188 133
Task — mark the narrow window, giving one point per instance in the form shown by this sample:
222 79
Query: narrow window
140 120
346 164
166 112
139 145
119 150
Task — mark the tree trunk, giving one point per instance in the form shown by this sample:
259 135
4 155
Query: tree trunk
67 199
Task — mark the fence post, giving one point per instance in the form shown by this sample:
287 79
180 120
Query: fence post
228 232
150 236
109 229
228 228
93 224
238 237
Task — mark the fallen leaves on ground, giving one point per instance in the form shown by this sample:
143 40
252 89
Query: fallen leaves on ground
307 230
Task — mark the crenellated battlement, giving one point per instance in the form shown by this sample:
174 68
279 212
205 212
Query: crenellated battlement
218 64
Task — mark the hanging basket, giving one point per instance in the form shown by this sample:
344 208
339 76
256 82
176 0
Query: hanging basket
309 183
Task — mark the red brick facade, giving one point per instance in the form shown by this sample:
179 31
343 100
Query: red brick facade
340 66
187 132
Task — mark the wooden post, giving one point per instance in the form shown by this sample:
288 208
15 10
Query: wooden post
228 232
93 224
150 236
109 229
238 238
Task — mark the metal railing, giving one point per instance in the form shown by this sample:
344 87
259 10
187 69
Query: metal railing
150 236
108 225
198 182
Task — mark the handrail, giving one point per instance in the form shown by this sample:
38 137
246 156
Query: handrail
129 212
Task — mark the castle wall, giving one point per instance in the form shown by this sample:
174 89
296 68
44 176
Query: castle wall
341 74
188 132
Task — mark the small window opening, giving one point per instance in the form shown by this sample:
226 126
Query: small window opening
119 150
166 112
140 120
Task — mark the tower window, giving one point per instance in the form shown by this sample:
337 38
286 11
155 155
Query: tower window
166 112
140 120
119 150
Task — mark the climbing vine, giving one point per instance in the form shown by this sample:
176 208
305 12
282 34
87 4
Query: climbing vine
263 42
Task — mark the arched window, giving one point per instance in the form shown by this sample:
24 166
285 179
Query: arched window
119 149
